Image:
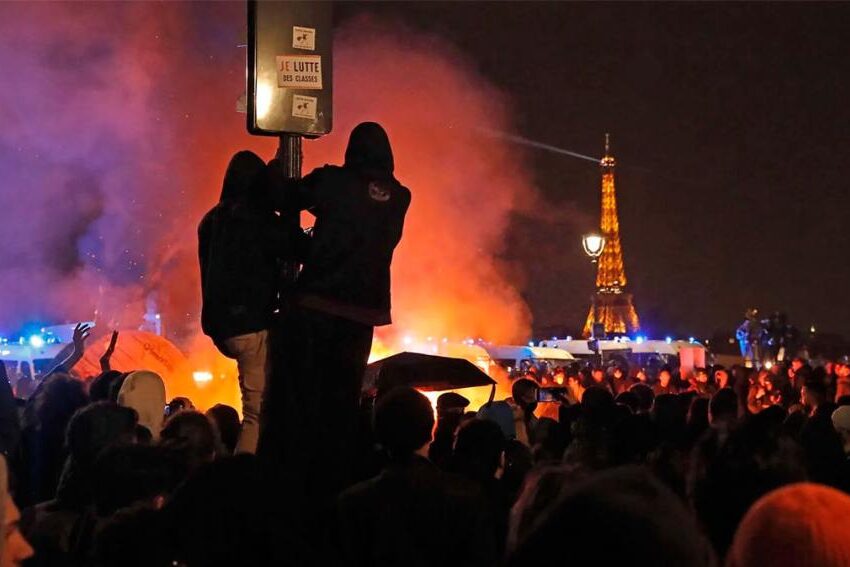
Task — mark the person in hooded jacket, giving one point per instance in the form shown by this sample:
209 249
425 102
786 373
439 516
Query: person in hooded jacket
310 415
238 245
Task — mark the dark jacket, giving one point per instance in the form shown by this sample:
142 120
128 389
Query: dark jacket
359 210
238 243
412 515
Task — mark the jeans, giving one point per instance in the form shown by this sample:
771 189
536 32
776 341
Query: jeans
252 359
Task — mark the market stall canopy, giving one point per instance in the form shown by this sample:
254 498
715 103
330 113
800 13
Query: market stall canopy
424 372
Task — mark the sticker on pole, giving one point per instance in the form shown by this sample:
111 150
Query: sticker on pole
304 106
304 38
299 71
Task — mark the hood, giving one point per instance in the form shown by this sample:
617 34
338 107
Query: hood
243 179
144 391
369 150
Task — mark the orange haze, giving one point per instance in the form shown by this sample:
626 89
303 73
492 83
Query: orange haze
149 115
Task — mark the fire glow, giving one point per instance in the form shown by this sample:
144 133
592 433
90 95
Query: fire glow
126 157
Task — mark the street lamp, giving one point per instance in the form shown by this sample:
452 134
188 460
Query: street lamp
593 245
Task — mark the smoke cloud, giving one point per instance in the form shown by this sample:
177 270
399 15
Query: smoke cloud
119 119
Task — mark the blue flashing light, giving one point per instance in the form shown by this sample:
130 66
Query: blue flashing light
668 340
691 340
639 339
531 343
569 338
36 341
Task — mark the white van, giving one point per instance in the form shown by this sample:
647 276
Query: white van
610 349
31 357
517 360
25 360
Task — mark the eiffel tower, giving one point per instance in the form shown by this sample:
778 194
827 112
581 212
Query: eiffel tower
611 306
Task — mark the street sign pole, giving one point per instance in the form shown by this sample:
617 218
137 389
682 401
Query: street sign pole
288 157
289 91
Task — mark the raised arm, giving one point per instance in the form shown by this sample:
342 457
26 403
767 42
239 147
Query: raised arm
81 333
107 355
294 195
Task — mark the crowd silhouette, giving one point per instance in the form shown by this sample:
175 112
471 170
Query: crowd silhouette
739 466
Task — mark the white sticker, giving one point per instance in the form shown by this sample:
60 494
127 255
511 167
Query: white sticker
304 106
304 38
299 71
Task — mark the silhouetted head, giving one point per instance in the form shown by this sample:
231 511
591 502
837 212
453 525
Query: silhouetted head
55 402
369 150
645 397
219 516
479 447
628 399
814 392
597 406
226 420
92 430
723 406
101 388
129 474
125 539
800 524
404 420
191 434
645 524
245 178
524 393
98 426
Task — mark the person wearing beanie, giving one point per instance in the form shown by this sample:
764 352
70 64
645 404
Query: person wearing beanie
144 391
799 525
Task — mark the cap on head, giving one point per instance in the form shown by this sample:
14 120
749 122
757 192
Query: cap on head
451 400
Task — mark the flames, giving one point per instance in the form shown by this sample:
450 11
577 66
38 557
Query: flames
131 152
387 343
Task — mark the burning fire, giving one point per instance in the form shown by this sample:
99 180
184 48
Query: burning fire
108 251
386 344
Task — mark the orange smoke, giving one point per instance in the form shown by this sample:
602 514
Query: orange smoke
159 92
447 278
205 377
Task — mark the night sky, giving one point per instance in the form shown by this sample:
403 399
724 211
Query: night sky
729 125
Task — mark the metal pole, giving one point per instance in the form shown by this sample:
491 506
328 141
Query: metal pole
289 156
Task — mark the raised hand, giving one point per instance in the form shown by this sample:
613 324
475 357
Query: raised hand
81 333
104 360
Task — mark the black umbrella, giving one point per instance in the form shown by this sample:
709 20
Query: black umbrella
423 372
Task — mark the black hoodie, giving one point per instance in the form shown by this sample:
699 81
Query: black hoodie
238 241
359 210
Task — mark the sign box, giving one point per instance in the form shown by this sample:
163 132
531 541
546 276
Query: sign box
290 68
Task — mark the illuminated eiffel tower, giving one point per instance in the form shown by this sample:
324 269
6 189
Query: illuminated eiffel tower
612 306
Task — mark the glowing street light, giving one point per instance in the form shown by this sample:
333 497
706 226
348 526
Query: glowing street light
593 245
202 376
